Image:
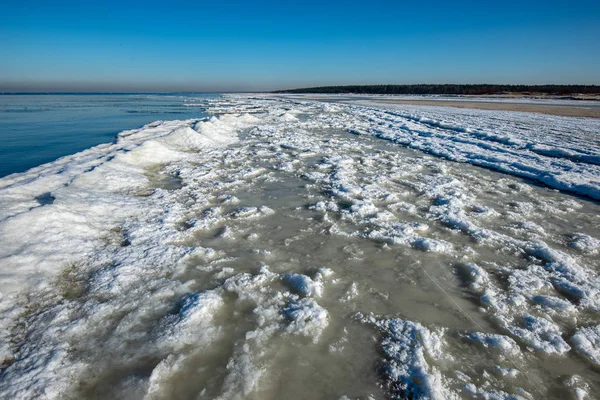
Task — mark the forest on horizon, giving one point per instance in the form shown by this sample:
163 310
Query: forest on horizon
451 89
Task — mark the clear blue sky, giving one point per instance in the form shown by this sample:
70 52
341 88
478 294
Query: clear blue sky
175 45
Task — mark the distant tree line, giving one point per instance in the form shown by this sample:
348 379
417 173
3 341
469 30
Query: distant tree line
450 89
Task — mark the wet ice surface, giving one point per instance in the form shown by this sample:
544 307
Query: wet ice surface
300 250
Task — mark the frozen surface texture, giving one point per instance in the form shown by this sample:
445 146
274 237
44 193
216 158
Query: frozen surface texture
308 249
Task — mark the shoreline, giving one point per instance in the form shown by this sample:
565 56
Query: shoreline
559 110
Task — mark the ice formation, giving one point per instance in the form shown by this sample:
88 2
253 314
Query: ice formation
285 246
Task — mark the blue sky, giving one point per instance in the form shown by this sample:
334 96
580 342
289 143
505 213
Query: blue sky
263 45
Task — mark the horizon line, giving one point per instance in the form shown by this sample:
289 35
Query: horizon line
49 92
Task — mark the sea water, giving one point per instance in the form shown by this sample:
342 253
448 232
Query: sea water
39 128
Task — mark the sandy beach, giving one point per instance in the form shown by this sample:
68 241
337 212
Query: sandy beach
543 109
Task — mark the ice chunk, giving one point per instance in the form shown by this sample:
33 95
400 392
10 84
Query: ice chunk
540 334
585 243
305 317
501 343
407 346
587 342
303 285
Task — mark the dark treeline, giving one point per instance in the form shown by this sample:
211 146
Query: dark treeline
450 89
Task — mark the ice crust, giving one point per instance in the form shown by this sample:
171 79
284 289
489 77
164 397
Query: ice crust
126 257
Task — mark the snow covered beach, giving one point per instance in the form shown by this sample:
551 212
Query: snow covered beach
575 108
304 249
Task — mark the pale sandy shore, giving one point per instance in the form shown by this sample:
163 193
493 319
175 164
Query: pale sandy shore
536 108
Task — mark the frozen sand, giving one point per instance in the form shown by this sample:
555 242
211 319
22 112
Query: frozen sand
550 109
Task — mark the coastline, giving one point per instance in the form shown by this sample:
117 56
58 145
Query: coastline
129 222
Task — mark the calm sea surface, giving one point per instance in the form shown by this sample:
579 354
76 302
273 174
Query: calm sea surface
36 129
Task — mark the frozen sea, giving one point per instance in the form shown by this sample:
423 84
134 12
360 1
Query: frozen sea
259 247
